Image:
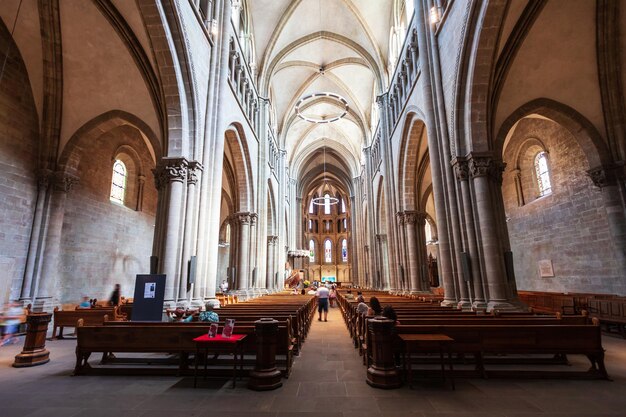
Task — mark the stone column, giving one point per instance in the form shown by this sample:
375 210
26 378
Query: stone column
420 247
271 283
476 282
610 181
243 272
46 286
481 169
253 253
141 182
410 219
36 245
190 223
171 178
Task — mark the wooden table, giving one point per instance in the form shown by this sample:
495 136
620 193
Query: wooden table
219 344
427 343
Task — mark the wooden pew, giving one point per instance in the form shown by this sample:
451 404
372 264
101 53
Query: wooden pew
90 316
160 337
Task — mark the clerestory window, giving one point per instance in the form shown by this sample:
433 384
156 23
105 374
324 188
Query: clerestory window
118 182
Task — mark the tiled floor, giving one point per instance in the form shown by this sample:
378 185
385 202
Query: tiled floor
328 380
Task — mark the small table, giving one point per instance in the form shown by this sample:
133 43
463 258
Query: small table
427 343
218 344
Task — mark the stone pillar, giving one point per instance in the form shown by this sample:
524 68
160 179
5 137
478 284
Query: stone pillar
410 218
243 272
481 169
36 245
611 182
190 224
382 373
420 239
34 351
171 178
252 254
265 376
271 283
141 182
476 282
46 286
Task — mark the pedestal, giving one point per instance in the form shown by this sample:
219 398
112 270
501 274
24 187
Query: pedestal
265 376
382 373
34 352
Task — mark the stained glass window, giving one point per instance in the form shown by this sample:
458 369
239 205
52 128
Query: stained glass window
328 251
326 203
311 251
118 182
543 174
344 250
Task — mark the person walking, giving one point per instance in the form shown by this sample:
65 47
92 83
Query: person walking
115 295
322 294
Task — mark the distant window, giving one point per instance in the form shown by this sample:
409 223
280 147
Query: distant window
344 250
345 224
311 208
312 251
543 174
227 234
310 225
118 182
343 205
428 232
327 224
326 204
328 251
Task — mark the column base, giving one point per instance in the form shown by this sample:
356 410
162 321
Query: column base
464 305
383 378
503 305
479 306
265 380
448 303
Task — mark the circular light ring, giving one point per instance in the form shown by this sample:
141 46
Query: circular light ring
320 201
334 96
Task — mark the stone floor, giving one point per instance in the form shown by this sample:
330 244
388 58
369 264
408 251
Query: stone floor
328 380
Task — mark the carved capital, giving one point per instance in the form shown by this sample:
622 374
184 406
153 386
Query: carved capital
64 182
170 170
141 179
381 100
605 176
44 177
485 165
194 170
461 169
400 218
272 240
253 219
411 217
242 218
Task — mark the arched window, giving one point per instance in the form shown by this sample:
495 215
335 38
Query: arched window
227 233
311 251
543 174
311 207
343 205
328 251
118 182
345 225
344 250
326 203
428 232
310 225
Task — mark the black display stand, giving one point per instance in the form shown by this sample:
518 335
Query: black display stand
149 296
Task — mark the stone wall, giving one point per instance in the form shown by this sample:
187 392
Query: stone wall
568 227
18 159
105 243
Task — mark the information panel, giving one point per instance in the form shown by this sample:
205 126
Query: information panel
148 300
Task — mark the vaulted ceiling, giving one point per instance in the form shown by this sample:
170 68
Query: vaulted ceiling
311 46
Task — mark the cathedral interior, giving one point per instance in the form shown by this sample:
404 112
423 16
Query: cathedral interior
466 152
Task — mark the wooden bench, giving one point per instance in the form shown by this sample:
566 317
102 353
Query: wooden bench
90 317
158 337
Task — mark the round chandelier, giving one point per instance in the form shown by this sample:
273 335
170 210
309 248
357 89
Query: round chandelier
343 103
321 201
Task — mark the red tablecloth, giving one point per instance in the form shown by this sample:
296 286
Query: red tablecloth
218 338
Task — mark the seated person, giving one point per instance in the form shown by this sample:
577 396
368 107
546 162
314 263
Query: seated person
390 313
359 297
207 316
86 303
362 308
375 307
349 295
312 291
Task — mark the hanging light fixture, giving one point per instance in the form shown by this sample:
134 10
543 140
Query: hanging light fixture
320 201
337 99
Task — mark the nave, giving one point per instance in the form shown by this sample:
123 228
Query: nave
327 379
